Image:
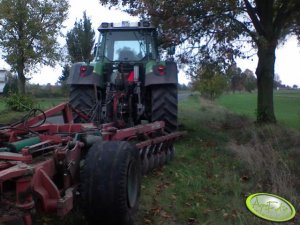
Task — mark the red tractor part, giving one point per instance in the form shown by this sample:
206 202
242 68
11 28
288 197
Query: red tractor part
40 163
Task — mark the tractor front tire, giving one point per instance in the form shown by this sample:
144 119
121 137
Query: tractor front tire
164 102
82 98
111 183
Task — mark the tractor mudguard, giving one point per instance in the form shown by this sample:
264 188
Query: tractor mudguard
83 74
167 76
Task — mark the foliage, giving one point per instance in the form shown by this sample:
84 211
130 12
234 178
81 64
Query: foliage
218 30
63 80
240 81
29 32
80 40
249 80
19 102
65 74
45 91
8 116
210 81
11 85
233 73
212 26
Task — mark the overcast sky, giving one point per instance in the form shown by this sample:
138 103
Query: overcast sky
287 56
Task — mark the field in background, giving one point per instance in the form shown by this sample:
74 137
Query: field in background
8 116
286 105
223 159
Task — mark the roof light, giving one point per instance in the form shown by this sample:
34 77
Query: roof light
124 25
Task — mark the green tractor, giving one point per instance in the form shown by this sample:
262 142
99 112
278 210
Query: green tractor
127 82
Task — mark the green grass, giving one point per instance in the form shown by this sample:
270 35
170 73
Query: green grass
46 103
8 116
207 183
286 105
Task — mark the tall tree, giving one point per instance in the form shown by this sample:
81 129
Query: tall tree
219 29
80 40
210 80
249 80
63 80
28 34
233 73
64 74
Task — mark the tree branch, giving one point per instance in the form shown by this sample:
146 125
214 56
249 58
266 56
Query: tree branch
244 27
284 14
251 12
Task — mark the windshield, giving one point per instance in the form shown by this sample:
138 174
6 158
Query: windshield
127 46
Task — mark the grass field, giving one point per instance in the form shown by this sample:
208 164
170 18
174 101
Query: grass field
223 159
286 105
8 116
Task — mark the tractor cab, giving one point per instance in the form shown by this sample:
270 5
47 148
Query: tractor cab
124 50
126 42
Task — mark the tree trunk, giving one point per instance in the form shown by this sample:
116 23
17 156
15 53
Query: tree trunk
265 77
21 81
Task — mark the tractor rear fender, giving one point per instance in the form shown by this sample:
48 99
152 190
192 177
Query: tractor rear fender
83 74
162 73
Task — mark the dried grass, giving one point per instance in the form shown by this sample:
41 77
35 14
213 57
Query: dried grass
267 165
220 118
268 152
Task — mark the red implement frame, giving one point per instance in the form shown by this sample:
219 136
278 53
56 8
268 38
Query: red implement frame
34 170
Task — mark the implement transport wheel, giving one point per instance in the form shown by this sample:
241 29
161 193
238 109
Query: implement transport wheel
82 97
111 183
164 102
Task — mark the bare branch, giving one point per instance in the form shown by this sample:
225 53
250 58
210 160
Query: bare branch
256 22
244 27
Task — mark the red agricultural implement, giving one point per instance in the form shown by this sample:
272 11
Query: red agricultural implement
120 122
44 166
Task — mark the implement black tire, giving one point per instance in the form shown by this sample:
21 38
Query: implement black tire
164 102
111 183
82 97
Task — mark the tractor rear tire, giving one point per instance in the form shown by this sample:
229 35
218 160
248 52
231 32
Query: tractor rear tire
82 98
164 102
111 183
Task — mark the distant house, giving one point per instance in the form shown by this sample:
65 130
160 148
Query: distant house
3 79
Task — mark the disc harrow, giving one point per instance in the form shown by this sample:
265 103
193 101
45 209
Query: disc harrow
40 162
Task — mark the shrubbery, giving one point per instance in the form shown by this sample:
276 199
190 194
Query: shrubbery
20 103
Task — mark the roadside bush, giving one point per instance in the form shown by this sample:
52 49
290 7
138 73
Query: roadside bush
20 103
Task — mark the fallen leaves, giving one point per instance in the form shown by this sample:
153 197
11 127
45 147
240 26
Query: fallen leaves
191 221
